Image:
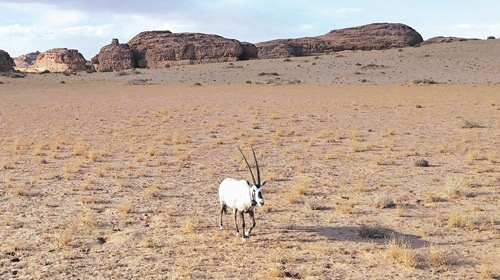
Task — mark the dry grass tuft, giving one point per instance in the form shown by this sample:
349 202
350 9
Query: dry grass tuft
312 204
383 200
189 225
79 148
459 219
402 252
152 191
92 156
457 186
126 206
437 258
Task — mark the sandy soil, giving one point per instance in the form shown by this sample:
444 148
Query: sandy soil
100 179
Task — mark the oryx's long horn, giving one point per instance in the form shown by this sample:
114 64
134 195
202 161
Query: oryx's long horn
257 166
253 178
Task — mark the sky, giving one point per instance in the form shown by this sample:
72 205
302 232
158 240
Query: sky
29 25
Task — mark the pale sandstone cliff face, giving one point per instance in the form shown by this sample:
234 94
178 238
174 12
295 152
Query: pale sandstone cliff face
114 57
25 62
60 60
6 62
367 37
155 49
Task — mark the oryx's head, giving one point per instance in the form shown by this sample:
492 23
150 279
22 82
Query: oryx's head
256 188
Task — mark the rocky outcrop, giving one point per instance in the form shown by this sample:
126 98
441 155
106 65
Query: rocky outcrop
114 57
375 36
441 39
26 62
6 62
156 49
249 51
60 60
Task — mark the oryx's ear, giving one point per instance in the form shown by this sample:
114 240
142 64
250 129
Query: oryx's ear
263 183
248 183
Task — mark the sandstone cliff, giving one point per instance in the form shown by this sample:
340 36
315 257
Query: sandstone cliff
114 57
367 37
26 62
6 62
155 49
60 60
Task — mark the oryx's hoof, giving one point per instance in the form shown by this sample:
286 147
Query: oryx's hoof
221 227
243 240
237 234
247 233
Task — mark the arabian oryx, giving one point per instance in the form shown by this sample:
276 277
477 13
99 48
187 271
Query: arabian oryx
242 197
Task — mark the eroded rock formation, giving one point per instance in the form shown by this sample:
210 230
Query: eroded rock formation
114 57
155 49
25 62
6 62
60 60
375 36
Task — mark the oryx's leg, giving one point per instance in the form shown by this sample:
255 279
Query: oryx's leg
242 215
222 210
252 215
236 222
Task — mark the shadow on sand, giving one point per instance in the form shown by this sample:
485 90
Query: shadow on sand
352 234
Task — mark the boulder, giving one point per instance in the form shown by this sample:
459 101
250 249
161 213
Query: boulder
249 51
26 62
60 60
114 57
6 62
376 36
156 49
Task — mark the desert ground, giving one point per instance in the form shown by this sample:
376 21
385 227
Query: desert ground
115 175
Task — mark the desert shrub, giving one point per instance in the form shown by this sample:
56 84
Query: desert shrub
287 60
121 73
66 73
491 38
167 65
268 74
424 82
197 84
471 124
16 75
106 70
90 71
44 72
421 163
372 232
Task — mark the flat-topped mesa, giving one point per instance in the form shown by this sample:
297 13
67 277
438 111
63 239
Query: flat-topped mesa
156 49
6 62
25 62
114 57
60 60
376 36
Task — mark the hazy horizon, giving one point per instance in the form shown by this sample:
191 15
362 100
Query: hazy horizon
27 26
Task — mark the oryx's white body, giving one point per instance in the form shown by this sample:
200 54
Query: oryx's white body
236 194
242 197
